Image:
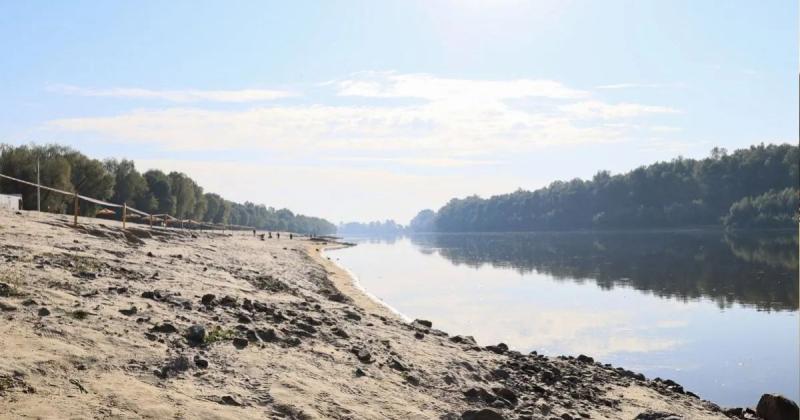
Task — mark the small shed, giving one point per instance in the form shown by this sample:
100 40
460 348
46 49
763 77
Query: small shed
10 201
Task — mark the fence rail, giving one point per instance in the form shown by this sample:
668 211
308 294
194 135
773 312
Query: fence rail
166 218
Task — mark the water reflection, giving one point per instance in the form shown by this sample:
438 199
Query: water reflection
717 312
752 269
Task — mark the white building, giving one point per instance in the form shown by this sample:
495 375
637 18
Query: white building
10 201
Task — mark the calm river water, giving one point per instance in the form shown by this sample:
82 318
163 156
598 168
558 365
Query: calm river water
716 312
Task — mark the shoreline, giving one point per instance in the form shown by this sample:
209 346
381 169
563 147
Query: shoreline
345 276
160 324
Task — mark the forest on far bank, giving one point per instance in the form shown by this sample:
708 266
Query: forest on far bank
755 187
119 181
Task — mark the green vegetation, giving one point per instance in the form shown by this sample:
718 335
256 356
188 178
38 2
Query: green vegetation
755 187
219 334
118 181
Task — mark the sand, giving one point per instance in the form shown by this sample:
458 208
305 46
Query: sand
310 344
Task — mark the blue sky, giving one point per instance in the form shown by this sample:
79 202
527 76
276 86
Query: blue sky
360 110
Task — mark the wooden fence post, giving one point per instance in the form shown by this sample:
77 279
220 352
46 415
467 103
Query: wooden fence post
124 214
75 210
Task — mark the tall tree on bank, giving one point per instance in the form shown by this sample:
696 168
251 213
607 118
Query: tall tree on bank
175 194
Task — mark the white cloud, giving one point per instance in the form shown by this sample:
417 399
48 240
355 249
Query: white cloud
639 85
598 109
425 86
191 95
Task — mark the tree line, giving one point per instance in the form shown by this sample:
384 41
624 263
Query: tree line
118 181
755 187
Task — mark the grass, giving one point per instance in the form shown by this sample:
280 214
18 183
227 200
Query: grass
11 281
218 334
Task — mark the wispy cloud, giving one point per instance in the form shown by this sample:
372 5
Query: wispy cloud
439 162
639 85
460 119
602 110
425 86
190 95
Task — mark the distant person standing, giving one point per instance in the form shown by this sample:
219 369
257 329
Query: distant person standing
270 235
254 233
291 236
278 234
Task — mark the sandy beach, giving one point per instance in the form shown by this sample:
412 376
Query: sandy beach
101 322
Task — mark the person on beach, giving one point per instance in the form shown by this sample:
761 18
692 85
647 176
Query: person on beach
270 235
291 236
254 233
278 234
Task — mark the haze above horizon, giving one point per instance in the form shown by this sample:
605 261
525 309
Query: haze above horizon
358 110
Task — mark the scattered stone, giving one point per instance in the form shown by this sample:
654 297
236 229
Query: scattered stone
43 312
485 414
228 400
200 362
28 302
498 349
362 354
657 415
352 315
268 335
208 299
228 301
411 379
244 319
461 339
164 328
359 373
506 394
396 364
129 312
240 343
418 335
585 359
340 332
7 307
196 335
776 407
174 366
424 323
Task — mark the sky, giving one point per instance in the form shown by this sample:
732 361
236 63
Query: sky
374 110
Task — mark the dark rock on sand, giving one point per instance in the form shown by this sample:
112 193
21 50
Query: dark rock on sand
267 335
461 339
43 312
499 349
128 312
164 328
585 359
196 334
485 414
174 366
240 343
359 373
506 394
396 364
228 400
777 407
244 319
657 415
228 301
418 335
7 307
200 362
208 299
362 354
424 323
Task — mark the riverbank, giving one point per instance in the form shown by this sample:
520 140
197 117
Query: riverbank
174 324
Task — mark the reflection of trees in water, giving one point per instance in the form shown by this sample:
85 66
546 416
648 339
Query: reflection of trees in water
757 270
